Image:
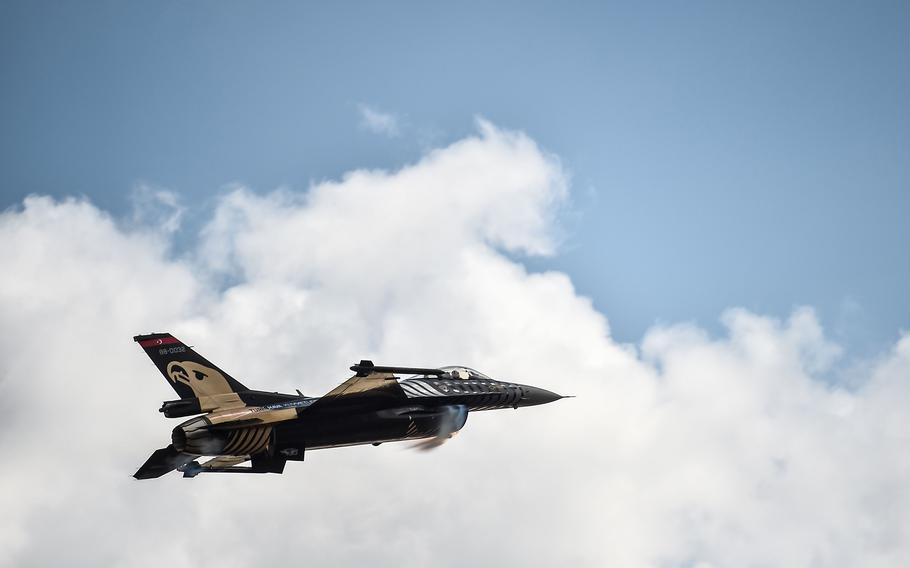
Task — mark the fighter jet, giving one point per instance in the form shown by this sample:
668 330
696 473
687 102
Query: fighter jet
378 404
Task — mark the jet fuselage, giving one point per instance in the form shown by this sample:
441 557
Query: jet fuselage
236 424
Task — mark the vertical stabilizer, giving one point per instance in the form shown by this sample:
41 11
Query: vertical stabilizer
189 373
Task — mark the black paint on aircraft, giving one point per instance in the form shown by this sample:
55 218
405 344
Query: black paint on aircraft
233 425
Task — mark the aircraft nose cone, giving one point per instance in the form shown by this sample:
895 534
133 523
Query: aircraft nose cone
532 396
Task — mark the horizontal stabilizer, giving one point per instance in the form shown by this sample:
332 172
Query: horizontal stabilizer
162 461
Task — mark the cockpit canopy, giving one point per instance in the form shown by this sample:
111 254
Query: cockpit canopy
453 372
458 373
464 373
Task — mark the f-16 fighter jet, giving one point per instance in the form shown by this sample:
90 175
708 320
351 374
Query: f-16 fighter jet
376 405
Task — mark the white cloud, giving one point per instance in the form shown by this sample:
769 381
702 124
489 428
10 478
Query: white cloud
377 121
156 208
687 450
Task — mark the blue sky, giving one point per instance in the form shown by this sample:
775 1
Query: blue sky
721 155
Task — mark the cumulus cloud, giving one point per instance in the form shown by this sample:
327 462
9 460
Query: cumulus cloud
377 121
685 450
156 208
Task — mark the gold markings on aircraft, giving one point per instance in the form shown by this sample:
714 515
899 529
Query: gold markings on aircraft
248 441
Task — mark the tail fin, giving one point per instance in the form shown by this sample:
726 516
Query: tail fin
189 373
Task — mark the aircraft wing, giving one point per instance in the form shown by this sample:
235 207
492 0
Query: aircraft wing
357 384
368 378
353 387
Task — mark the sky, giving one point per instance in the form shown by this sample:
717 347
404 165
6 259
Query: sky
691 216
742 154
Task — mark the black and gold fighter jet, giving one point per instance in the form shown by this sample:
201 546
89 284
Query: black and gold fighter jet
267 429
